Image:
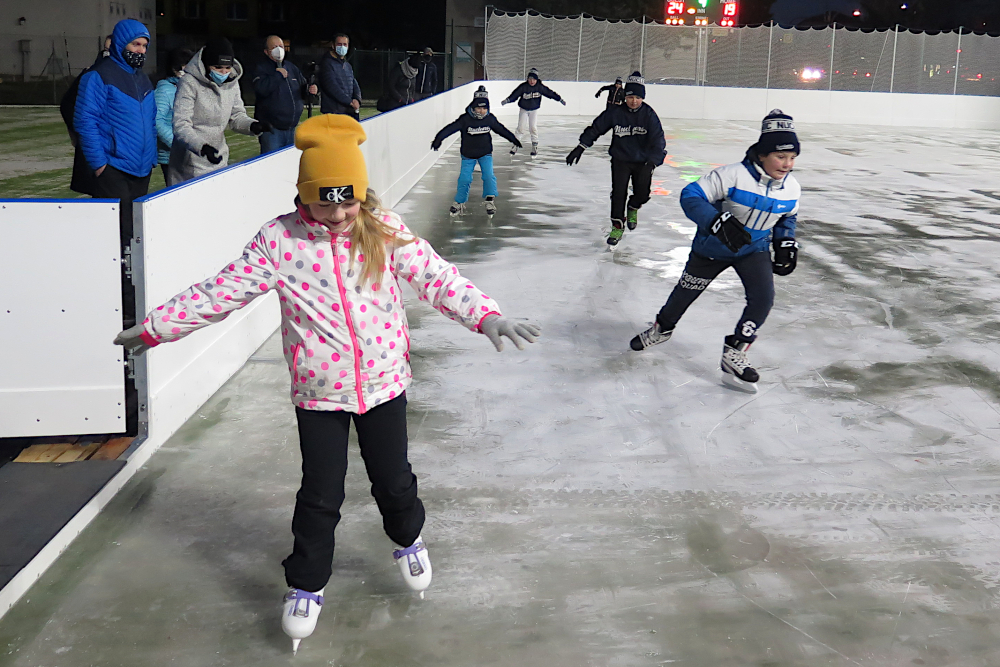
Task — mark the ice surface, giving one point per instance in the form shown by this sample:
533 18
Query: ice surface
590 505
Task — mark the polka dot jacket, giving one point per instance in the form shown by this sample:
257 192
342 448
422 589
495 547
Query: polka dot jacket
347 345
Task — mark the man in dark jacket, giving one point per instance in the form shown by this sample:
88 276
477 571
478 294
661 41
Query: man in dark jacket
402 85
476 126
83 179
529 99
637 148
280 89
340 90
615 91
427 75
116 120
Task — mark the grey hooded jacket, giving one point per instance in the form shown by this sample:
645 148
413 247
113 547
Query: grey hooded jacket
202 111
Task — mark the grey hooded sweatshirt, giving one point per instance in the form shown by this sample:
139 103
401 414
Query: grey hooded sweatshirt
202 111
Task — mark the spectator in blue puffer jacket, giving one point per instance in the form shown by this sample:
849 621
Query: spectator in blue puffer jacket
115 118
340 90
166 90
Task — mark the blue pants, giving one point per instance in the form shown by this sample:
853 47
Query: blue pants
465 178
276 139
758 282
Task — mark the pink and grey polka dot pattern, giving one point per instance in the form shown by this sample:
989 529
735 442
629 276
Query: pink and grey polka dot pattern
347 344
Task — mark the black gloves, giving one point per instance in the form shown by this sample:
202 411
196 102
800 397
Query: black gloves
436 144
574 155
209 153
598 93
786 252
260 127
730 231
517 142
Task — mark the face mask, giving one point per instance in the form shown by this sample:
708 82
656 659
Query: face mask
341 50
278 53
135 60
218 77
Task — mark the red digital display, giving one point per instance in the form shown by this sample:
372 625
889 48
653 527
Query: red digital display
675 7
729 9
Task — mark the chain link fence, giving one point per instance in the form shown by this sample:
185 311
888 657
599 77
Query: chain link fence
588 49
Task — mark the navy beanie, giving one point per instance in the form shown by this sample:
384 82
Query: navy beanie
481 98
635 85
777 133
534 73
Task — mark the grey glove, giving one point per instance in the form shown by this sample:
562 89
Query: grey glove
495 326
131 340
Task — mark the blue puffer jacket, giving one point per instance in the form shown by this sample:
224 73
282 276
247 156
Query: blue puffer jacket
116 111
166 90
338 85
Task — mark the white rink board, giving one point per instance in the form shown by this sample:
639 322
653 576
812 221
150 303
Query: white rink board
60 308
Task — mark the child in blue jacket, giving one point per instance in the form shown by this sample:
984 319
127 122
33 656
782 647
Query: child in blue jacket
166 90
476 125
740 209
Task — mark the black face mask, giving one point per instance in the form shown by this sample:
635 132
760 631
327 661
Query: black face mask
136 60
426 58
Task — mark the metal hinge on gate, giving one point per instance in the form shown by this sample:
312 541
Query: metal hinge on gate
130 365
127 260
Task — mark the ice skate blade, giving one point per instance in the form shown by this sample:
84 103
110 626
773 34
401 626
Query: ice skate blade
421 595
295 645
734 382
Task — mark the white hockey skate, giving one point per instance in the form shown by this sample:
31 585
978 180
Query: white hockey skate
736 369
650 337
491 206
300 614
415 564
456 209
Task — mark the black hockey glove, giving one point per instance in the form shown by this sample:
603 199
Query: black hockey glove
730 231
436 144
517 142
209 153
786 252
574 155
260 127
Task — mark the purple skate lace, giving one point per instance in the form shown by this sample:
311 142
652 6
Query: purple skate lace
298 595
410 552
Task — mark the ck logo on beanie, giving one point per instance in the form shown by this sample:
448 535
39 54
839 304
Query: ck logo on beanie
337 195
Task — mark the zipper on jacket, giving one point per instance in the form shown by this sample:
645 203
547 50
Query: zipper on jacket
350 327
295 365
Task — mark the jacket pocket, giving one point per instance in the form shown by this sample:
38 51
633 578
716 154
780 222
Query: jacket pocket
295 362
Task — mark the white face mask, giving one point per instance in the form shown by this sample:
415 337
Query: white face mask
278 53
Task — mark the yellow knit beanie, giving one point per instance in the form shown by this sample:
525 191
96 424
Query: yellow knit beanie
332 167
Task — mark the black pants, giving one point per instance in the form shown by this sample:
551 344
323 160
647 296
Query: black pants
323 440
758 282
641 175
165 168
115 184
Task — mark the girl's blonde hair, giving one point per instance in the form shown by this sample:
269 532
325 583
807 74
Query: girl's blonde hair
370 236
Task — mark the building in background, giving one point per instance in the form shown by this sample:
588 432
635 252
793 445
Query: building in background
465 23
43 40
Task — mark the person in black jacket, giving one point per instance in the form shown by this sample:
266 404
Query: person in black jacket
615 91
402 84
281 90
529 98
427 75
637 148
83 179
476 125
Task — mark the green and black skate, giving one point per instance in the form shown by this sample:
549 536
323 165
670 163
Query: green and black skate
617 231
632 219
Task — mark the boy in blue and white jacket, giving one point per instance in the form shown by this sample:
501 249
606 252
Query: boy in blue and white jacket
740 209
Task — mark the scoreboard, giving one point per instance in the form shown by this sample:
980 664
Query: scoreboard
724 13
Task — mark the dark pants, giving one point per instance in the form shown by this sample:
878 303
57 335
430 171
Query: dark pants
323 440
275 140
758 282
115 184
165 169
641 175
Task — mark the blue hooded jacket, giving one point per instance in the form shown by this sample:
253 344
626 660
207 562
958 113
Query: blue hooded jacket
116 111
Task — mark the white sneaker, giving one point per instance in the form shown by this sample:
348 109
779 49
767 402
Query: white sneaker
415 564
300 614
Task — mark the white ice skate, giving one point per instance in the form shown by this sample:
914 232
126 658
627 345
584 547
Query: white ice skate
300 613
415 564
457 209
534 148
491 206
513 149
736 369
650 337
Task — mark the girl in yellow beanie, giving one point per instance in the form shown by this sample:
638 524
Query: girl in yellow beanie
337 262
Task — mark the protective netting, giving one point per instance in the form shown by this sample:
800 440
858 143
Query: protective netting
582 48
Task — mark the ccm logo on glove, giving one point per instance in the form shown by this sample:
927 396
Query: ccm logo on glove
337 195
785 256
730 231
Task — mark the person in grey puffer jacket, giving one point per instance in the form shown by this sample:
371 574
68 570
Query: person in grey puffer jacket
207 101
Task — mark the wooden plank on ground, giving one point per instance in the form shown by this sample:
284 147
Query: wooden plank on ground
77 453
42 453
112 449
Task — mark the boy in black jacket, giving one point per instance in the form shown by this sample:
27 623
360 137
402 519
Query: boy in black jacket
615 91
529 98
476 124
637 148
